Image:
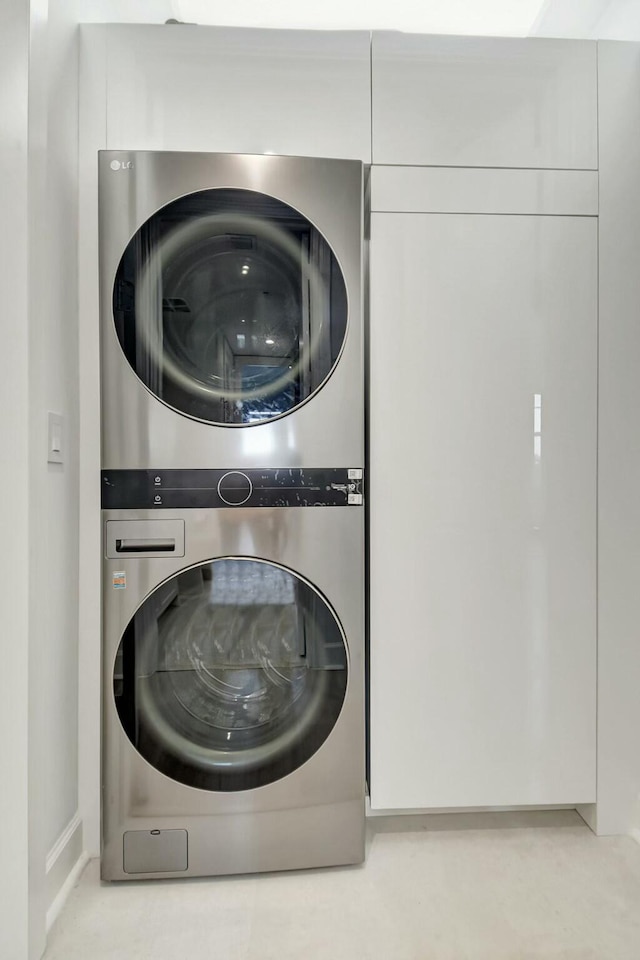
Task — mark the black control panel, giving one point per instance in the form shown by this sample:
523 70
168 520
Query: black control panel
198 489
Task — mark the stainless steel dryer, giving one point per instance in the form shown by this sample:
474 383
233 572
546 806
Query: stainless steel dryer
231 306
233 678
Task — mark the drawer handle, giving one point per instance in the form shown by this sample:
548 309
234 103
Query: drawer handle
167 545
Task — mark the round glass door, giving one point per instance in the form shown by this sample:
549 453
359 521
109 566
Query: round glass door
230 675
230 306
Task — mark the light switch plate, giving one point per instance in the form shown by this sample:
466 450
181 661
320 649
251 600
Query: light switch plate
55 452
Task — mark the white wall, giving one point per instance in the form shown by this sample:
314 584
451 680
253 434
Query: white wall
491 17
54 387
621 21
618 808
54 487
594 19
14 560
124 11
588 19
38 260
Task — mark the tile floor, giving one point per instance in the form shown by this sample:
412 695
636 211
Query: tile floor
495 886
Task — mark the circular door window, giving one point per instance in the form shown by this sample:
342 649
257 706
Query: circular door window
230 306
231 675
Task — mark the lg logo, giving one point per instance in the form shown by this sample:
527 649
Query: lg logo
121 164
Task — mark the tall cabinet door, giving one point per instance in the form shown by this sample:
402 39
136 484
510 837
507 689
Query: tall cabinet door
483 425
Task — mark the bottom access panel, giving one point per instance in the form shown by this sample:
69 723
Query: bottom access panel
155 851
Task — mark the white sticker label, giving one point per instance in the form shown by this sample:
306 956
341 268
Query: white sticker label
355 499
354 473
119 580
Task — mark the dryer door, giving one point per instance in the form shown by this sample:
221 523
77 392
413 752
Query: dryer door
231 674
230 306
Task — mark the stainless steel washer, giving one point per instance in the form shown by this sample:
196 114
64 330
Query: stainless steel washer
233 676
231 307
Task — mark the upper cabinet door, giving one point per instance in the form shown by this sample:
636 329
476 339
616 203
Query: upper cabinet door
484 102
293 92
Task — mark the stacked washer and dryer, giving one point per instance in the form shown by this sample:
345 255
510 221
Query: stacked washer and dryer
233 599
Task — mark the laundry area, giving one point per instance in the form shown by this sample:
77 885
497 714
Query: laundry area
325 558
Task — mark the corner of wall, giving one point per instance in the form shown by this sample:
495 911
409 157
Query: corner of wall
618 428
589 813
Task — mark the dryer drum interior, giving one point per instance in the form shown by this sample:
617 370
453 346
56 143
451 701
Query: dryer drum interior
230 306
231 674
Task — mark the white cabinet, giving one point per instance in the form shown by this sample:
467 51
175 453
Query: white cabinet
304 93
483 505
478 101
484 190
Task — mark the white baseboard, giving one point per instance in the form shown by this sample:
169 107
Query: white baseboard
436 811
65 863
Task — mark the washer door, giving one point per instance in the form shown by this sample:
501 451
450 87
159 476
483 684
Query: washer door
231 674
230 306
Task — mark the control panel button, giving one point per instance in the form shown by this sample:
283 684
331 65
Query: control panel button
235 488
